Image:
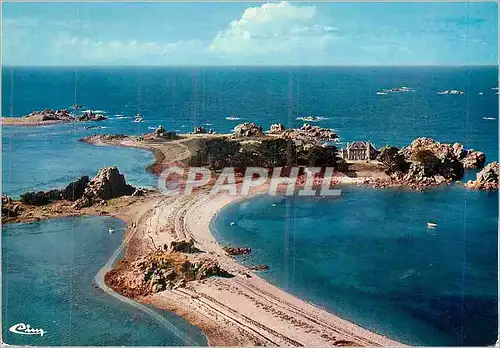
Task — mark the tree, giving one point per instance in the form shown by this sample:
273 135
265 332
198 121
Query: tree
392 160
216 153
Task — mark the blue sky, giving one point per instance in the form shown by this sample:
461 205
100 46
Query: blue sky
277 33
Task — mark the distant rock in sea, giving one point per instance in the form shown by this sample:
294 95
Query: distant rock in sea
312 118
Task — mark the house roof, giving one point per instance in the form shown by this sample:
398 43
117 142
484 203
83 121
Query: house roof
360 145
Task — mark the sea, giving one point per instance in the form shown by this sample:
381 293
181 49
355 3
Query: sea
367 255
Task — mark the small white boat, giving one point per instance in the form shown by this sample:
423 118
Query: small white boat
489 118
232 118
431 225
232 223
480 93
382 93
110 230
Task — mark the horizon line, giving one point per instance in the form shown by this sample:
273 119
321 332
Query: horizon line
252 65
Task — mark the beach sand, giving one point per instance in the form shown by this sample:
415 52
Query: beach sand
243 310
239 311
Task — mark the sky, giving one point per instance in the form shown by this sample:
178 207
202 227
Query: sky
238 33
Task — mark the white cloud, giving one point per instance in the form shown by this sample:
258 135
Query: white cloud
274 33
274 28
129 52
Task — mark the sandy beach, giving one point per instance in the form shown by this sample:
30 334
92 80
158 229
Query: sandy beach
245 309
241 310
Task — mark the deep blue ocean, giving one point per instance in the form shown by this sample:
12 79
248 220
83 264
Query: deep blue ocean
367 256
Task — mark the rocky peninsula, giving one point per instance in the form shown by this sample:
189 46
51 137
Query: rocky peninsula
171 258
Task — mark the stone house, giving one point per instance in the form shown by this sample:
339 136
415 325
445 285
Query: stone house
359 151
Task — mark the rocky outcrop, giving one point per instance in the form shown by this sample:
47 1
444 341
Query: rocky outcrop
247 130
392 160
234 251
161 271
52 115
447 154
199 130
277 128
310 134
107 184
40 197
259 268
473 159
161 133
64 115
91 116
182 246
425 162
435 158
486 179
75 190
10 208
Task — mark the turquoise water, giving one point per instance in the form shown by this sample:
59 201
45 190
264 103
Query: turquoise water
369 257
44 158
47 272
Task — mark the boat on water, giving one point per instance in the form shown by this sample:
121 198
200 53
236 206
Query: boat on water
432 224
402 89
453 91
138 118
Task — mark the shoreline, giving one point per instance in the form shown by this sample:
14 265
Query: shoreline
251 309
238 311
244 309
30 122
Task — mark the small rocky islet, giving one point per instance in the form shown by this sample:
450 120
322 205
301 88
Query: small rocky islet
51 116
